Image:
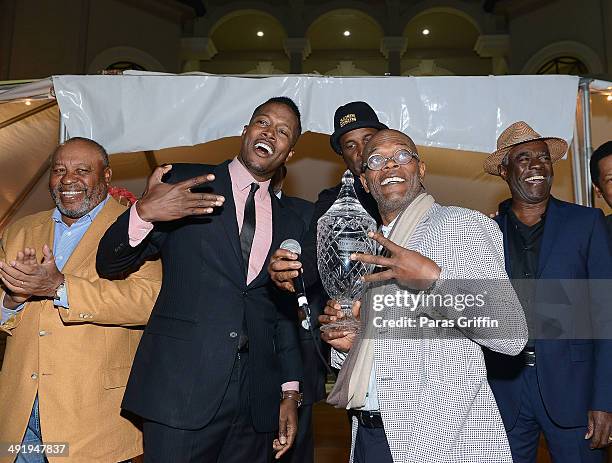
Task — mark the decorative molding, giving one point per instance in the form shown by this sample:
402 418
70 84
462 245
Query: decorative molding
428 67
300 45
115 54
564 48
346 68
496 47
492 46
391 44
265 68
198 48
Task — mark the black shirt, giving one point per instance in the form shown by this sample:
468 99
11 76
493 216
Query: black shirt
609 222
524 243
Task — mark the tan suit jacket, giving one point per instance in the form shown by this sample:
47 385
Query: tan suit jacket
77 359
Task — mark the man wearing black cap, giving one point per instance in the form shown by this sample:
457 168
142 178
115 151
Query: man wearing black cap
601 175
354 124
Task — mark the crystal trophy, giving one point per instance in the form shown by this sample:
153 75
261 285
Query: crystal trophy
342 231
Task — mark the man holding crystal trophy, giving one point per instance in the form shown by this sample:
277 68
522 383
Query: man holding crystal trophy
411 376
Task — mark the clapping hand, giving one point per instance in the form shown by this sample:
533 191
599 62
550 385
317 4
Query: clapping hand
25 277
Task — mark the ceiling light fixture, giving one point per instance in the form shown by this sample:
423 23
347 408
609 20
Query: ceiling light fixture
347 33
609 98
260 34
425 31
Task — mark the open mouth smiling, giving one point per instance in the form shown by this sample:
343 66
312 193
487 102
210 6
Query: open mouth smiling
392 181
535 179
263 148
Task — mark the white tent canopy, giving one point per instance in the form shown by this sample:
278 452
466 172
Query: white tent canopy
141 111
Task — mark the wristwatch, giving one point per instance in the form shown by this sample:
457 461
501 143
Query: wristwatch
293 395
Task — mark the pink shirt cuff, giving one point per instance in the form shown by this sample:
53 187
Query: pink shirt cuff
138 228
291 386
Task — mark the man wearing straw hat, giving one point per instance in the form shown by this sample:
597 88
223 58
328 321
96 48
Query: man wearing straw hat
558 256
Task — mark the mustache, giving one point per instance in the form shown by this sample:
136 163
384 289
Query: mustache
61 189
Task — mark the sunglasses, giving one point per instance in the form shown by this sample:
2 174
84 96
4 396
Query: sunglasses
401 157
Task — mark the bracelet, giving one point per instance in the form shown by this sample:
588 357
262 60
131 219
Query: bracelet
293 395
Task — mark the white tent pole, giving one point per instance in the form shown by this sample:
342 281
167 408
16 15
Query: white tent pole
63 131
587 148
576 168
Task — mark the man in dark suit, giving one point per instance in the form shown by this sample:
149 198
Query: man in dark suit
218 367
354 124
601 175
313 384
558 256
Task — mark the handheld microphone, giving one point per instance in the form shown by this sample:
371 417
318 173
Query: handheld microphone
300 291
298 282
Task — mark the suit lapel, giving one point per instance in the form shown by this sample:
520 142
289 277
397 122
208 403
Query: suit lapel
42 233
88 246
555 217
223 186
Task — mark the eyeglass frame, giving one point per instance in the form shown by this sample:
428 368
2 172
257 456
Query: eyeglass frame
413 155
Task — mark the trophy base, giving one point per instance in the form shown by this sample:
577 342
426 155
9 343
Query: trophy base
346 324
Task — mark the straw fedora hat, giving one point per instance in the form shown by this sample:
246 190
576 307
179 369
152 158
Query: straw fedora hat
518 133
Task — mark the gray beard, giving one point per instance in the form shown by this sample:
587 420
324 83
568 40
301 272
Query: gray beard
390 206
92 199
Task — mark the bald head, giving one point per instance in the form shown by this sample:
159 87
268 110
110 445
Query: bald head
397 182
386 136
86 144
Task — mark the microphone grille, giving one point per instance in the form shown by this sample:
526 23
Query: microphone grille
291 245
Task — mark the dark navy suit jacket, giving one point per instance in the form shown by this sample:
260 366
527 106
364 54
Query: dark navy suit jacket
574 375
313 385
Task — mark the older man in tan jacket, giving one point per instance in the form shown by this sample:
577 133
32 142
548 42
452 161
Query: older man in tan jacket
71 342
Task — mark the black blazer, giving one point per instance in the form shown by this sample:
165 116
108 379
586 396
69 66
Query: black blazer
313 386
574 375
185 358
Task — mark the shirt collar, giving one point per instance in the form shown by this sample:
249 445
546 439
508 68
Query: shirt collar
242 179
89 217
386 229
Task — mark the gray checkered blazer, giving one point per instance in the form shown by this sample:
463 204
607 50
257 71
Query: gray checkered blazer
435 401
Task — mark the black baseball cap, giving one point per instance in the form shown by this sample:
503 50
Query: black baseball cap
351 116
